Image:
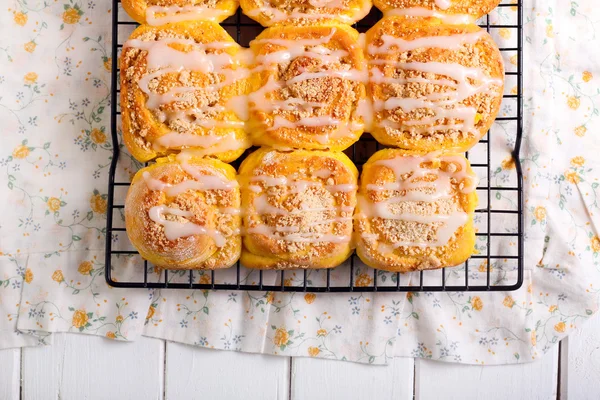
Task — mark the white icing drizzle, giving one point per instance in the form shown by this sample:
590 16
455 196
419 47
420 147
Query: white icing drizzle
185 13
454 19
365 111
199 146
175 229
411 185
292 233
464 83
443 4
322 173
224 144
200 182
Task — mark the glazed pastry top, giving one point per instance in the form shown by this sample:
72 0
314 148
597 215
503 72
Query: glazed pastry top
414 208
308 87
298 205
180 88
434 85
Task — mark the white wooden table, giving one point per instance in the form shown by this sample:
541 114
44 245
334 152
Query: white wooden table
84 367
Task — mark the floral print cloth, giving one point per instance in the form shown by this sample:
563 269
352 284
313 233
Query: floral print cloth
54 102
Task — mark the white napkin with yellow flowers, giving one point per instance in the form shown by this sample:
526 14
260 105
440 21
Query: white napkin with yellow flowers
54 79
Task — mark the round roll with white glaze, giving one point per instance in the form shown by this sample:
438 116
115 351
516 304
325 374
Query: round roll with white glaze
415 211
308 87
298 208
433 85
183 87
185 214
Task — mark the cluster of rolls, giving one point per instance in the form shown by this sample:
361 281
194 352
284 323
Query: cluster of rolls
425 80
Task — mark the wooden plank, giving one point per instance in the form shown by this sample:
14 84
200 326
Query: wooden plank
317 379
10 374
91 367
439 380
580 362
193 373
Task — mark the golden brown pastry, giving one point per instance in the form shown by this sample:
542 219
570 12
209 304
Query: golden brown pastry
298 208
308 87
433 85
453 9
303 12
183 86
415 211
160 12
185 214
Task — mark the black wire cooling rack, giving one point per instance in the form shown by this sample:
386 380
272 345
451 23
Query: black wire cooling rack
498 266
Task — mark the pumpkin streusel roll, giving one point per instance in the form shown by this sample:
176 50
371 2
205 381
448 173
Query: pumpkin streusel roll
298 208
183 87
415 211
434 86
185 213
308 87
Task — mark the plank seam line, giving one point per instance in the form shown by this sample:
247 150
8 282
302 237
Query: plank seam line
562 345
290 378
21 368
164 374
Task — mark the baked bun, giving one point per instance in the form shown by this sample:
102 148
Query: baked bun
434 85
185 214
303 12
308 87
298 208
160 12
415 211
452 9
183 86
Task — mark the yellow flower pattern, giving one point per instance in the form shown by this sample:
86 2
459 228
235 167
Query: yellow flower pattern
98 204
53 204
85 268
57 276
30 46
508 302
98 136
580 130
71 16
80 319
477 303
28 275
281 337
20 152
573 102
30 78
313 351
20 18
309 298
540 213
